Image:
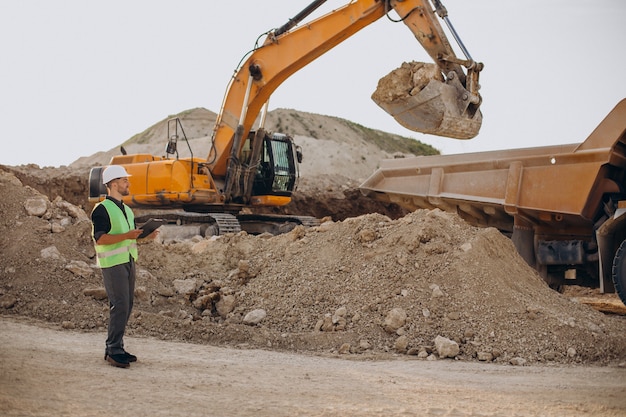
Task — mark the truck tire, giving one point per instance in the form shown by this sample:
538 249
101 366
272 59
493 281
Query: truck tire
619 271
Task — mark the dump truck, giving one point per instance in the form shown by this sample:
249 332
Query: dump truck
247 167
563 206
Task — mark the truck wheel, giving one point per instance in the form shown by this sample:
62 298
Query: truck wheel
619 271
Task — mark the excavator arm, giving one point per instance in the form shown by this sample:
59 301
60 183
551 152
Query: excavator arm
449 106
247 169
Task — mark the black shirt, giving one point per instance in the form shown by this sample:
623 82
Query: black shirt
101 220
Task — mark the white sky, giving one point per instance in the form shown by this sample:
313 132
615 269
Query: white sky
79 76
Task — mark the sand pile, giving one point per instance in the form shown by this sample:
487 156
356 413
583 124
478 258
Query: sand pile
425 285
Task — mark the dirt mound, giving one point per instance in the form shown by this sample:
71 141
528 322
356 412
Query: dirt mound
329 144
425 284
405 81
329 195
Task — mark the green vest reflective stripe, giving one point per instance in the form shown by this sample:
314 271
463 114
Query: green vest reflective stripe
117 253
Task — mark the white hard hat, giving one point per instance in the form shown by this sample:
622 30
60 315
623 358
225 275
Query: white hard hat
113 172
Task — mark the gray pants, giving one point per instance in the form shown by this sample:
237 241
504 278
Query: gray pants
119 283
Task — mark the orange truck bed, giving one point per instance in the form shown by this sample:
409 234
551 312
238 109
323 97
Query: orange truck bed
560 193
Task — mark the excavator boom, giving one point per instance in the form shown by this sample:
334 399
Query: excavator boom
445 106
249 168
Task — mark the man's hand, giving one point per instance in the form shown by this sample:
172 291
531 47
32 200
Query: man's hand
108 239
151 236
133 234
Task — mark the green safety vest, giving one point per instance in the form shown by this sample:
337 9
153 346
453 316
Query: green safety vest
117 253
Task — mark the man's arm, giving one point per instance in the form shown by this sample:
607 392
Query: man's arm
102 227
107 239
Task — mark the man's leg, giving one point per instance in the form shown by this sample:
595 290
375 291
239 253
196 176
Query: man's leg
131 298
116 284
131 287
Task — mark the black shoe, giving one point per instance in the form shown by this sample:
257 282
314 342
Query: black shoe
130 357
119 361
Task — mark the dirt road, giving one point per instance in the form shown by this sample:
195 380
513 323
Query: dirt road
48 372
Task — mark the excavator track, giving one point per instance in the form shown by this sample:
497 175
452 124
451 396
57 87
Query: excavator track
225 222
274 223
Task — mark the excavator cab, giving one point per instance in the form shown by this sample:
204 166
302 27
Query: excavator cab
277 173
266 171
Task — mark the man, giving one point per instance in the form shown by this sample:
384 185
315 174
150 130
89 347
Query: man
114 235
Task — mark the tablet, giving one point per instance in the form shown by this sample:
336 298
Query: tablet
150 226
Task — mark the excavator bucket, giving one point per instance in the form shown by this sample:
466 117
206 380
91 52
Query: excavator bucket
420 100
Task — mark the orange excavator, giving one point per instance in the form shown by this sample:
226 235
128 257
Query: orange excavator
248 167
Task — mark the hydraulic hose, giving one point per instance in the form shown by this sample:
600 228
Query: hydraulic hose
298 18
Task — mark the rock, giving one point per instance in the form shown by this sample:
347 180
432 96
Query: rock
484 356
165 291
454 315
367 235
571 352
141 293
254 317
422 74
436 291
79 268
144 275
446 348
408 79
225 305
395 319
327 323
244 266
339 323
517 361
51 252
344 348
318 325
201 246
401 345
241 275
341 312
185 286
72 210
182 315
68 325
202 302
36 206
364 344
97 293
8 301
